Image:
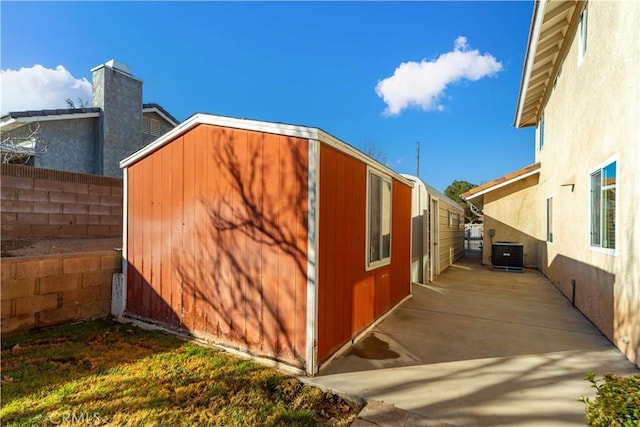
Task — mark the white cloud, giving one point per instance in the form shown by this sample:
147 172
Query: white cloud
422 84
39 88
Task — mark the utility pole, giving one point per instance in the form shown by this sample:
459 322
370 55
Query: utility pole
418 159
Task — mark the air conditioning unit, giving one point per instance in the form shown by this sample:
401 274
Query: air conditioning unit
507 256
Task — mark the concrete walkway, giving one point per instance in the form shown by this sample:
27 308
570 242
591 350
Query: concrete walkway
477 348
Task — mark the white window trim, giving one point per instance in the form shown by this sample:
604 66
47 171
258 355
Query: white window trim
541 140
599 249
386 261
546 216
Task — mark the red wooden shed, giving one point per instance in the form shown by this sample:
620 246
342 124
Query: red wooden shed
280 241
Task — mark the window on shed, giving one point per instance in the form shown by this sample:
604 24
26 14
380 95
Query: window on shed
155 127
378 220
603 207
146 125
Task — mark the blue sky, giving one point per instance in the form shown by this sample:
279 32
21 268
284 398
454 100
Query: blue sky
332 65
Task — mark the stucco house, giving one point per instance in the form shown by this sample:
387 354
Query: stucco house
93 140
576 209
275 240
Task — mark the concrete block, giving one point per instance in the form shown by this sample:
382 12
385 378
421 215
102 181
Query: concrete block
60 315
116 210
96 278
115 230
45 230
47 207
73 187
6 309
95 309
16 206
87 219
110 220
81 264
99 189
16 231
18 323
33 195
99 210
98 231
107 200
21 288
74 230
80 296
89 199
36 304
62 197
116 191
7 193
33 218
112 262
60 219
17 182
37 268
75 208
7 269
60 283
9 218
47 185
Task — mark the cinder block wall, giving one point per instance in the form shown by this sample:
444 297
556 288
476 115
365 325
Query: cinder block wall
46 203
54 289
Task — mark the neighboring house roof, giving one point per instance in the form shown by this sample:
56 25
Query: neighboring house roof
474 195
553 26
156 108
16 119
259 126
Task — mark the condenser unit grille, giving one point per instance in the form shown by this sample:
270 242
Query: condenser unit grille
507 256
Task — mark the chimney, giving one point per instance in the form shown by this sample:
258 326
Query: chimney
119 96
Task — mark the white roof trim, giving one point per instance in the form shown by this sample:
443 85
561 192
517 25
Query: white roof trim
502 184
433 192
260 126
531 55
50 117
160 113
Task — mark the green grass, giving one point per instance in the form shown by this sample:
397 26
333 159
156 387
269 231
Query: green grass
104 373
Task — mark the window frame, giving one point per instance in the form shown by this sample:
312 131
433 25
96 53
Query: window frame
599 170
549 220
372 265
541 132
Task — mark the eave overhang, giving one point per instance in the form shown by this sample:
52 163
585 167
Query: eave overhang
553 26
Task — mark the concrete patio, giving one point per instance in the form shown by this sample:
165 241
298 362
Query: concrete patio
477 347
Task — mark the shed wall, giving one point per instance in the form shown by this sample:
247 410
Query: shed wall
349 297
217 242
451 235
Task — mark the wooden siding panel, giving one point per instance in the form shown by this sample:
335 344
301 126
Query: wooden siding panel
349 297
218 232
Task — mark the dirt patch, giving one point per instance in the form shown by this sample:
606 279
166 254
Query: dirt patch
37 247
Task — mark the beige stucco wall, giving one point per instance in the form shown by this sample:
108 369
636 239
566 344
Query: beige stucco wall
512 211
591 118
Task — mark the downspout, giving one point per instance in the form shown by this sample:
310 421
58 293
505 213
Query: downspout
313 200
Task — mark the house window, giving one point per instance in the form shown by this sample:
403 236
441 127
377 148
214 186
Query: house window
450 218
603 207
378 219
550 219
582 39
155 127
146 126
541 131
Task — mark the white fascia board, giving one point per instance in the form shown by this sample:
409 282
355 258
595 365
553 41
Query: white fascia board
52 117
160 113
502 184
531 55
230 122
